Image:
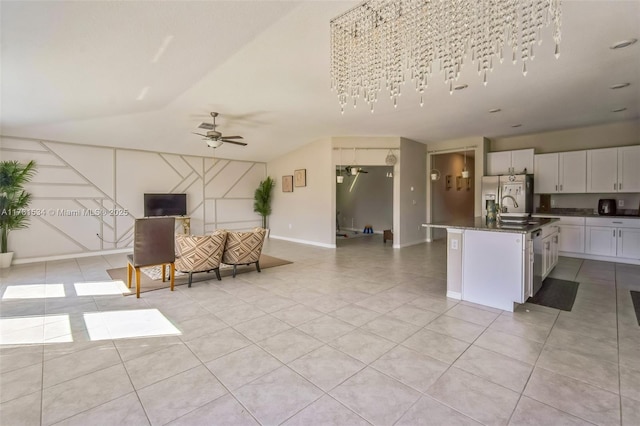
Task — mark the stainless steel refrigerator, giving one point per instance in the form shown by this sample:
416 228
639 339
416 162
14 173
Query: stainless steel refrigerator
512 193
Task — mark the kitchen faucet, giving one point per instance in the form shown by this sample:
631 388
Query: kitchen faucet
504 208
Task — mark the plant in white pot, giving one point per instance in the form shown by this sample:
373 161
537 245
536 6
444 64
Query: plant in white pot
262 199
14 201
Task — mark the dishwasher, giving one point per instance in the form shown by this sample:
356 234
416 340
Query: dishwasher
538 252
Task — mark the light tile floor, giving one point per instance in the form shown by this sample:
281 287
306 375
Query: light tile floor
359 335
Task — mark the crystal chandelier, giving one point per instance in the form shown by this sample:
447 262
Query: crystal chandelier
381 43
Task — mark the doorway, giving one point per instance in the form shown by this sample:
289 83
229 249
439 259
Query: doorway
364 199
452 195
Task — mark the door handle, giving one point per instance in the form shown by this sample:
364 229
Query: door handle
556 187
614 187
619 186
560 187
614 232
620 233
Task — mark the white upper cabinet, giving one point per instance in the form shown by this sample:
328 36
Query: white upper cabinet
573 172
545 174
562 172
506 162
613 169
629 169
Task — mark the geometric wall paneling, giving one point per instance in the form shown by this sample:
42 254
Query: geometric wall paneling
196 163
8 143
63 175
23 243
177 163
246 186
223 181
79 178
55 190
98 173
235 210
41 158
139 172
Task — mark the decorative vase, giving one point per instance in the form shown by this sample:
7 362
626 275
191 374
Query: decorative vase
5 259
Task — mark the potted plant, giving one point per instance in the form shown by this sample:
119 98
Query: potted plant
262 199
14 201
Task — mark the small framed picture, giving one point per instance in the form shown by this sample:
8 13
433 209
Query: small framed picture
448 182
300 177
287 183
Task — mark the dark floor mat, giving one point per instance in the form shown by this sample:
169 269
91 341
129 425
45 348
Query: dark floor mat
635 297
555 293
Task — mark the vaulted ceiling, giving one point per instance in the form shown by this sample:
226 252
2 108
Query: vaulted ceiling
144 74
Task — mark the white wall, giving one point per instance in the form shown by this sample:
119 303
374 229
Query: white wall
413 191
73 178
602 136
307 214
454 203
367 202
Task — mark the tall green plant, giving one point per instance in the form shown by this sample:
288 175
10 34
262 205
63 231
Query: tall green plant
14 200
262 199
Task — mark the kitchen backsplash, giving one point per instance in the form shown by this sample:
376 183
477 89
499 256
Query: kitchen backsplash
589 202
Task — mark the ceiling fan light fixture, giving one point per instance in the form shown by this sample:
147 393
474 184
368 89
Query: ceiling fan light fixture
213 143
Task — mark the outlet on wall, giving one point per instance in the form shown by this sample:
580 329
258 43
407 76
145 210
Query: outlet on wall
620 203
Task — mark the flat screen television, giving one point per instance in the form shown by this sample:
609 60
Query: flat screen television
165 204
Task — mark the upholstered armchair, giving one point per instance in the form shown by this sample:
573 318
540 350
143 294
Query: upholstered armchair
244 248
153 244
200 253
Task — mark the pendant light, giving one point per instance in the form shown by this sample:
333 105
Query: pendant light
340 178
465 171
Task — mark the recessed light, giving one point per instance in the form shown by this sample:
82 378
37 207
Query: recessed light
143 93
624 43
461 87
516 125
494 110
619 109
619 85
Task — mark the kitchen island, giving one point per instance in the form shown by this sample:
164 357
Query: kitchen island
498 264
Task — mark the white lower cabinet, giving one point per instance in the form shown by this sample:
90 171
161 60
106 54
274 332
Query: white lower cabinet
613 237
601 240
628 243
571 238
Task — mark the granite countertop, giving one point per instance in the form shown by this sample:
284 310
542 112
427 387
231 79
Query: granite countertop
480 224
624 213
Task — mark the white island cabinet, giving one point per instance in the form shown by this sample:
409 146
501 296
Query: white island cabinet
495 265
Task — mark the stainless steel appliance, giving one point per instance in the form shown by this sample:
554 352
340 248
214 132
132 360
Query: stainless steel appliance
538 252
607 207
513 194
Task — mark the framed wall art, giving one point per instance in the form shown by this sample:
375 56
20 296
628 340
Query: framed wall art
300 177
287 183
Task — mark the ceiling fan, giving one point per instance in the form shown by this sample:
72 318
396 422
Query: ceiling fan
354 170
213 137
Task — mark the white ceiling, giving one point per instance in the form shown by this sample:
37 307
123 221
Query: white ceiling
72 71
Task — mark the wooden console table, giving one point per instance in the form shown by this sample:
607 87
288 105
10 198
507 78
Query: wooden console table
186 224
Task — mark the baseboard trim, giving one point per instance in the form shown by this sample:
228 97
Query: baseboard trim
307 242
412 243
70 256
454 295
359 231
603 258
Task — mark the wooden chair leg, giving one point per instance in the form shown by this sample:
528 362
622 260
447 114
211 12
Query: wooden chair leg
162 270
129 273
258 266
137 282
173 273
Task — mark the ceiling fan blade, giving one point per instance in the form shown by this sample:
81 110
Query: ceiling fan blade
233 137
233 142
199 134
207 126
